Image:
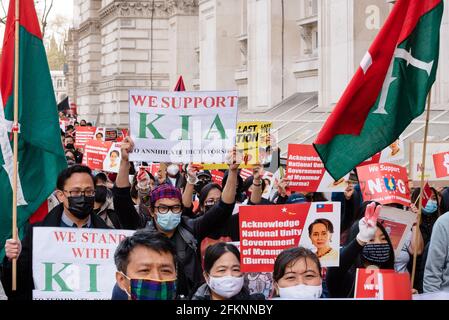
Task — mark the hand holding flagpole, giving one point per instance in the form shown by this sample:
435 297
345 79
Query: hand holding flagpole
15 130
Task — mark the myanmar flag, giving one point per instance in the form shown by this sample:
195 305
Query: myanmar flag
389 89
41 156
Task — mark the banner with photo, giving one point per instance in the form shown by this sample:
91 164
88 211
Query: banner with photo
267 230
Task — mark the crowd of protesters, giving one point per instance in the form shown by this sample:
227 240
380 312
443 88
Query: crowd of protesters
183 251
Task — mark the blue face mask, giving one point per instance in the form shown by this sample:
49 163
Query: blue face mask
168 221
430 208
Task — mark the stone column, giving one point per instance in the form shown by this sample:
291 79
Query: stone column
271 51
219 47
183 41
346 30
89 67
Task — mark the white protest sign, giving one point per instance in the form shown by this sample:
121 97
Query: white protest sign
182 127
74 264
430 175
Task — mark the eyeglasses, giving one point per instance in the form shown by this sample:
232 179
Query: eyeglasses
79 193
164 209
211 202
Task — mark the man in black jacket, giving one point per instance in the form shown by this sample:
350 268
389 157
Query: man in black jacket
76 192
186 233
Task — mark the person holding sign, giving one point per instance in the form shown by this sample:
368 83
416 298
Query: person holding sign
146 266
224 280
297 275
368 246
320 233
165 215
76 192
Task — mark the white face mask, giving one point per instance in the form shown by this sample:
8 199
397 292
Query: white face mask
173 170
301 292
226 287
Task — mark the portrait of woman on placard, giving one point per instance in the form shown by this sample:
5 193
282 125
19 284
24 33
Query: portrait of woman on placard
320 234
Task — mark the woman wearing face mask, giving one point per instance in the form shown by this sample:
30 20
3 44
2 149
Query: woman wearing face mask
224 280
368 246
297 275
430 213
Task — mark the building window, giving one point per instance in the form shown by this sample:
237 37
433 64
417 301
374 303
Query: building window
59 84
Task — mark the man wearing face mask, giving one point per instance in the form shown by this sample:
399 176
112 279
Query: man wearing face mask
166 216
174 176
146 266
76 192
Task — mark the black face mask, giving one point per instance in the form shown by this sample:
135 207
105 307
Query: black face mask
207 208
70 146
376 254
101 193
81 207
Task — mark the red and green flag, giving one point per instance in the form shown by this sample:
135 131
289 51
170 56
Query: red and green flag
41 156
389 89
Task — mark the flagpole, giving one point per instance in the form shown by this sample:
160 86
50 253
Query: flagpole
15 131
421 192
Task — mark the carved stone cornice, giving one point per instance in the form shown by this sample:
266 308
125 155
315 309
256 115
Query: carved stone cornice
90 26
182 7
133 9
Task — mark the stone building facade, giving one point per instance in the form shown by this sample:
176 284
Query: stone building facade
272 51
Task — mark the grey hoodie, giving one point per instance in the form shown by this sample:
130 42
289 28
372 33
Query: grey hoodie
436 274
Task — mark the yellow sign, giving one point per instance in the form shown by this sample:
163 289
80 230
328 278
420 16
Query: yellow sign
250 138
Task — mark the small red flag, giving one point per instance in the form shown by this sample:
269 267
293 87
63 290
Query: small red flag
180 85
427 194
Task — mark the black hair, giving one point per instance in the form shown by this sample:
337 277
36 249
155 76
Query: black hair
67 173
150 239
205 192
316 197
288 256
239 181
215 251
89 124
99 133
76 123
116 152
68 136
249 181
69 127
82 120
327 223
100 177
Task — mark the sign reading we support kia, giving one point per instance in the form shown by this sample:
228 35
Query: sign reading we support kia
385 183
182 127
74 264
265 231
307 173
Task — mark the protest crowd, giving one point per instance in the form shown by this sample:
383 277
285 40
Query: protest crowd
187 236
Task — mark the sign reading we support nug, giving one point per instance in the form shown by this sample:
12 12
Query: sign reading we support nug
74 264
182 127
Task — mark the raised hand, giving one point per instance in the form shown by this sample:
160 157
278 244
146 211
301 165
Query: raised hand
126 148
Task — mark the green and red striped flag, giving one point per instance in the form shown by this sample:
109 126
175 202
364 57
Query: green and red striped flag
41 155
389 89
